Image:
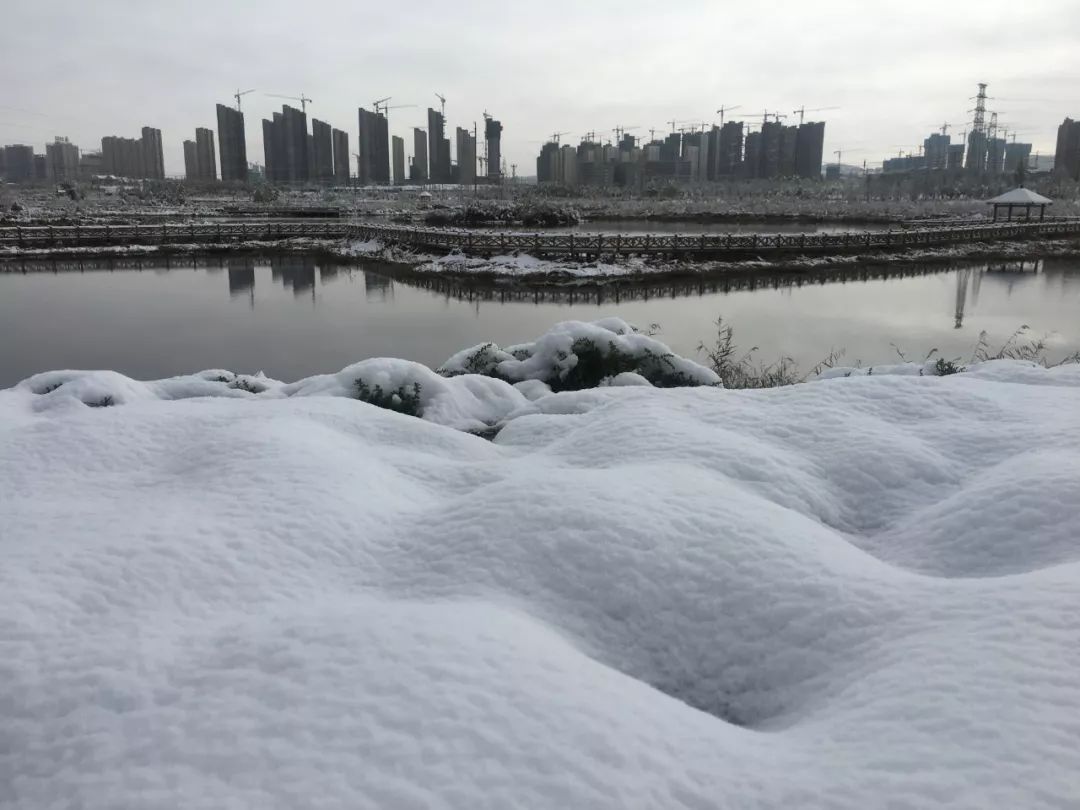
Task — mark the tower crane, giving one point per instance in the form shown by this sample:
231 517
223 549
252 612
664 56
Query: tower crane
442 105
304 100
237 95
803 110
620 131
724 109
380 103
556 135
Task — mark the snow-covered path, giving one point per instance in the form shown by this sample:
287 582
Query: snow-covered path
852 593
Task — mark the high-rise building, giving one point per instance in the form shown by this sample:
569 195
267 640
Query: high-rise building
322 142
90 165
788 143
466 156
397 152
752 156
285 146
233 144
995 155
955 159
341 155
206 153
438 148
547 164
191 161
18 163
567 165
1067 153
295 144
373 148
63 160
936 149
1017 155
729 152
493 139
772 133
975 157
419 166
41 167
153 155
122 157
809 149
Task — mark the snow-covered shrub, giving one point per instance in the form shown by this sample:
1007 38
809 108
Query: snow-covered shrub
402 399
574 355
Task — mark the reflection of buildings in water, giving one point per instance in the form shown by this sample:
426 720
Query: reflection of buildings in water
295 272
213 266
242 277
328 272
619 292
962 278
378 287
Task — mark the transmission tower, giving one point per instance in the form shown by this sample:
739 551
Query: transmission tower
979 124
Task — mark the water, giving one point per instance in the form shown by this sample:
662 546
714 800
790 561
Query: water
291 316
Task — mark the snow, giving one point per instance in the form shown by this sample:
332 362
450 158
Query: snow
556 353
857 592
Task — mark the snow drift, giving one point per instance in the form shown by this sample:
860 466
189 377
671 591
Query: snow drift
846 594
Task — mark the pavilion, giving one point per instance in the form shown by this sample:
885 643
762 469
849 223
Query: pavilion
1020 198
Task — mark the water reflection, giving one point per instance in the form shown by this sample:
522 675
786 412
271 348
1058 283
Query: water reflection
153 316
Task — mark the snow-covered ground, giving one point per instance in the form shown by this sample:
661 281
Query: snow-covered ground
857 592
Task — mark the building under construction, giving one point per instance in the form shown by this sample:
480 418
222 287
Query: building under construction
493 147
373 149
232 143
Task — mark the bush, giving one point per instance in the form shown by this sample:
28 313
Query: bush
401 400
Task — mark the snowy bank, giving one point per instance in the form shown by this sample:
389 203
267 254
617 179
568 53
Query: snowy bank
476 390
846 594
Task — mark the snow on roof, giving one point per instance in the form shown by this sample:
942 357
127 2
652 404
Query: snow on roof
1020 196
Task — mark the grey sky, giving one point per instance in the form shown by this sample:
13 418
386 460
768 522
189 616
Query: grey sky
896 70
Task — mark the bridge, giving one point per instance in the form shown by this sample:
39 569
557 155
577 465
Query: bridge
564 244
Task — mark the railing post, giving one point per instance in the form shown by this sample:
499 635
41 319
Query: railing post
571 243
599 244
646 248
191 227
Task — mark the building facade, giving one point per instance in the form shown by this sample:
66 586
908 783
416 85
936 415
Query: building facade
466 156
322 151
810 149
419 169
63 160
18 163
205 153
153 154
493 139
373 149
397 160
340 140
232 142
1067 153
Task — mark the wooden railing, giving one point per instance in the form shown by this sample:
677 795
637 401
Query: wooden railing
561 244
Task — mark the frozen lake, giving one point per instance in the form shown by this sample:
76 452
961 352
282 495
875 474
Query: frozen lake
292 316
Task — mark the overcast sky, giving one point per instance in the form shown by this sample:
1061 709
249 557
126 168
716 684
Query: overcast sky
895 70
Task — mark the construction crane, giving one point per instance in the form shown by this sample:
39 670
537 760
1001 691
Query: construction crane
945 127
380 103
588 136
304 100
556 135
838 154
238 94
442 105
652 133
724 109
620 131
803 110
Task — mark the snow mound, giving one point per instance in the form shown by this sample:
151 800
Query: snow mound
813 596
576 354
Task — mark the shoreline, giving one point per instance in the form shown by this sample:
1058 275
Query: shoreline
527 271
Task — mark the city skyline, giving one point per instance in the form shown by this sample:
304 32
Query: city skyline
539 74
